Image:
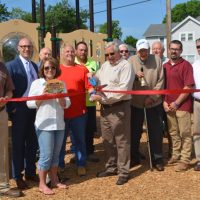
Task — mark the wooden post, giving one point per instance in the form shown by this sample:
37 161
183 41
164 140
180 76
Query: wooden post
91 5
109 20
168 23
33 12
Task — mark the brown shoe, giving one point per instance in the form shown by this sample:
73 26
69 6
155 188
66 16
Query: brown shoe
180 167
21 184
173 161
11 193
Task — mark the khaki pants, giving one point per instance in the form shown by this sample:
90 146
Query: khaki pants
179 123
4 169
115 127
196 130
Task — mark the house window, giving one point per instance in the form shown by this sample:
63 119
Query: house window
187 37
190 36
183 37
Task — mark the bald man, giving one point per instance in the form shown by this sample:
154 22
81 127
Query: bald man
44 54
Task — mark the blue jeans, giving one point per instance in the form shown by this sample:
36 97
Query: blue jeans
77 126
50 143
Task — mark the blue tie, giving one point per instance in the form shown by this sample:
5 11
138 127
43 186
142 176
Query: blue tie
30 72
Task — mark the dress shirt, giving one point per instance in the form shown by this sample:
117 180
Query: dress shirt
117 77
30 72
196 73
50 115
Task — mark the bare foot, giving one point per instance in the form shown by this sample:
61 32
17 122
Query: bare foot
45 190
59 186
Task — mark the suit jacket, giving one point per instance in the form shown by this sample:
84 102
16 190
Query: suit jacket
20 79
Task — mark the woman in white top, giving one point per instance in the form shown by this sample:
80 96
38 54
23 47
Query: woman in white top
49 124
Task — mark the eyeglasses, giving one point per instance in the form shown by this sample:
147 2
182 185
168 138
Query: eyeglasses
198 47
109 54
124 51
26 46
47 68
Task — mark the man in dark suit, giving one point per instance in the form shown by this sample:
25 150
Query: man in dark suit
24 142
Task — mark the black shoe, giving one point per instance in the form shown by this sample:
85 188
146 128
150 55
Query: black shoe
12 193
197 167
159 167
21 184
105 174
122 180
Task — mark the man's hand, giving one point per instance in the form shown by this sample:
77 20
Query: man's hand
166 106
173 106
2 103
95 97
140 74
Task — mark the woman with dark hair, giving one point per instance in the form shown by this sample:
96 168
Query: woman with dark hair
49 122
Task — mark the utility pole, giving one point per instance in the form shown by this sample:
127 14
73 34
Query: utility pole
168 23
33 12
42 23
109 20
77 14
91 5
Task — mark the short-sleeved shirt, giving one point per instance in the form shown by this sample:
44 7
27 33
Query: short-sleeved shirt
6 83
178 76
76 80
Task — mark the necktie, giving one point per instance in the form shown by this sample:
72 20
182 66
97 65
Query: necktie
31 76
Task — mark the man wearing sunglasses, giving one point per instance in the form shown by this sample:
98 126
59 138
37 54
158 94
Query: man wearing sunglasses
24 141
196 127
117 74
124 52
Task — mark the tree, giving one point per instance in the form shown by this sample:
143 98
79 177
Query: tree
18 13
116 29
64 17
4 14
61 14
182 10
130 40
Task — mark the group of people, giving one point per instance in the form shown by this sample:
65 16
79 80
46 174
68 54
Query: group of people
46 124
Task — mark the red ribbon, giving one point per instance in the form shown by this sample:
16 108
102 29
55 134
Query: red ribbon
132 92
153 92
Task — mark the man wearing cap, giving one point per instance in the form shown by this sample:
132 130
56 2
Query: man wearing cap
149 76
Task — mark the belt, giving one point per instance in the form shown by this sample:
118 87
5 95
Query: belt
2 108
197 100
114 104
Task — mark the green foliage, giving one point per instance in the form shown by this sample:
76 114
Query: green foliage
4 14
131 41
61 14
18 13
116 29
64 17
182 10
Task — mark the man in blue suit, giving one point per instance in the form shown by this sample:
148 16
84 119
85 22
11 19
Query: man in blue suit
24 142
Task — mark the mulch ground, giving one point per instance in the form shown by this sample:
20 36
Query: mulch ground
143 184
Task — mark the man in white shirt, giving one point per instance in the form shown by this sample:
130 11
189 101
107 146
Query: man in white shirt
196 95
117 74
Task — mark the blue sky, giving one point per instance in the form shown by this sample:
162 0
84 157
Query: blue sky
134 19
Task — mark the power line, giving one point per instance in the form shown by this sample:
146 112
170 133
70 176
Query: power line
123 6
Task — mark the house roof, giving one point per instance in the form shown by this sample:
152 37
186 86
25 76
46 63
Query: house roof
160 29
157 30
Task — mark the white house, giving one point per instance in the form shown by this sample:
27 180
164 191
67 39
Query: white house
187 31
